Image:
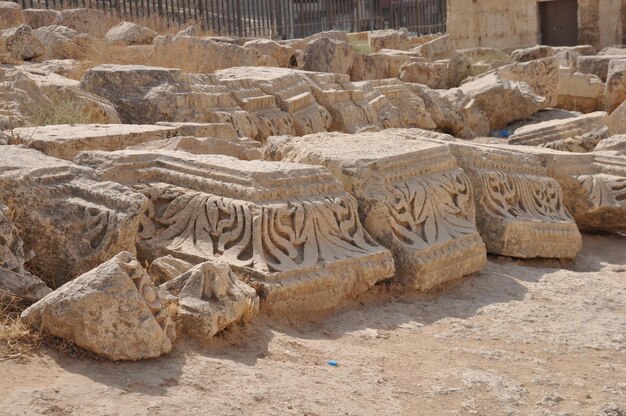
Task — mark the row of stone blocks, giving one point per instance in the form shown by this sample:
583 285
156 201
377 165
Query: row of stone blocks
326 216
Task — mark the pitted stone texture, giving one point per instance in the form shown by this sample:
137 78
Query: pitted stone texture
441 47
210 298
144 94
578 134
289 228
597 65
381 65
388 39
15 281
37 18
613 146
62 42
520 210
617 120
532 53
113 311
65 141
70 219
292 91
10 14
282 54
346 103
128 33
502 101
615 89
475 61
327 55
20 43
389 116
542 75
166 268
432 74
579 92
412 198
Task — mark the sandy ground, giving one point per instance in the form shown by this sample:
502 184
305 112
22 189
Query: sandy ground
519 338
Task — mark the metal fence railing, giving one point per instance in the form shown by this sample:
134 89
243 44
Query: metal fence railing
276 19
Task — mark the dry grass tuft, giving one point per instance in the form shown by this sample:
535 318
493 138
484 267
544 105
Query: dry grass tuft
16 338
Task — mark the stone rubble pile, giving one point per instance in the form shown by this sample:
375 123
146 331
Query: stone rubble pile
283 177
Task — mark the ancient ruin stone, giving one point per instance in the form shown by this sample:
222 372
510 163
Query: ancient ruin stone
127 33
166 268
70 219
90 21
292 91
412 199
475 61
384 64
613 146
244 149
579 134
388 39
347 105
542 75
61 43
388 115
289 228
532 53
327 55
37 18
579 92
441 47
412 109
146 95
203 55
66 141
502 101
282 54
432 74
210 298
596 65
20 43
617 120
113 311
339 35
10 14
615 90
15 281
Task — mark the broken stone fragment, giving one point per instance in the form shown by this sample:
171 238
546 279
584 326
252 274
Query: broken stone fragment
617 120
615 89
542 75
532 53
10 14
328 55
128 33
210 298
167 268
37 18
21 44
614 146
113 310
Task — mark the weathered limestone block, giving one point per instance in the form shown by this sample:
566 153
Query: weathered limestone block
441 47
502 101
542 75
596 65
15 281
203 54
339 35
70 219
19 98
578 134
412 199
146 95
224 131
244 149
532 53
612 146
283 55
270 119
617 120
615 89
166 268
346 103
432 74
20 43
89 20
210 298
289 228
37 18
520 210
127 33
10 14
568 55
388 115
471 62
412 109
113 310
292 91
384 64
327 55
613 50
66 141
388 39
61 43
579 92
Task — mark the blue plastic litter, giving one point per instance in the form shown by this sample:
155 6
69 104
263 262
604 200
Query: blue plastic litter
333 363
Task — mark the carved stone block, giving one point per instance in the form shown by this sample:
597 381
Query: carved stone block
65 214
412 198
290 228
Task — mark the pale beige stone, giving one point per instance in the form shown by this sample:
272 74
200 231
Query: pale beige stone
127 33
615 89
617 120
541 75
431 74
328 55
579 133
113 311
284 55
579 92
70 219
292 91
90 21
10 14
209 299
388 39
339 35
289 228
224 131
20 43
412 198
441 47
613 50
389 116
61 43
384 64
66 141
166 268
37 18
597 65
612 146
474 61
532 53
244 149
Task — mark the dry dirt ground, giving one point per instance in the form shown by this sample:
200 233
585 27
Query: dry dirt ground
519 338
